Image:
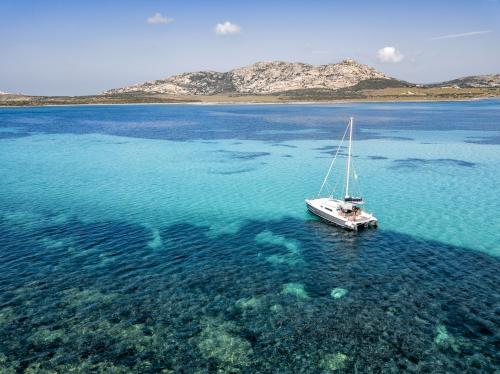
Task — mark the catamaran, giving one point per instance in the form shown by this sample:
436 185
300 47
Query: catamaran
346 212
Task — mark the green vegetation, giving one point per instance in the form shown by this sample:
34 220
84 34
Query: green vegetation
368 90
132 98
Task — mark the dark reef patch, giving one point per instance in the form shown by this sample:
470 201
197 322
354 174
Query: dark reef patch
96 296
378 158
329 148
240 155
418 162
332 150
389 137
231 172
494 139
341 154
13 135
284 145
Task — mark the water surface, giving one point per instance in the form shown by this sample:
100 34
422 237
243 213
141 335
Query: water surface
175 238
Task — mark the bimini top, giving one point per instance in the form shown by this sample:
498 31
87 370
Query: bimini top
354 200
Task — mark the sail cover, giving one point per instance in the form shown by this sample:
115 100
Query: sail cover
351 199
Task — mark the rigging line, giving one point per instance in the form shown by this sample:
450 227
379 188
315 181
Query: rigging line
333 162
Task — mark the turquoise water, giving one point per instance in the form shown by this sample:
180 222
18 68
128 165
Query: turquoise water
175 237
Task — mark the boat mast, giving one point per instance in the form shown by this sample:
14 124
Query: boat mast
349 158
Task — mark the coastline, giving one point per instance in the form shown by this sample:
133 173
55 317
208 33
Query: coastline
256 102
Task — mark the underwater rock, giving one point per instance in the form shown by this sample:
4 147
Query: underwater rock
44 336
338 293
132 337
7 315
248 303
334 362
218 341
295 289
268 237
441 335
234 171
81 298
445 340
292 257
54 244
286 259
413 163
222 228
156 241
276 308
86 366
241 155
6 367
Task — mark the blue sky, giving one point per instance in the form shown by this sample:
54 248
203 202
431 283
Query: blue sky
70 47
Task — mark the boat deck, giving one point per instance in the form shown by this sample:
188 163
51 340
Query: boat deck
329 210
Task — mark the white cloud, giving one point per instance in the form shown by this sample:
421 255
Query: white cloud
227 28
462 35
157 19
389 54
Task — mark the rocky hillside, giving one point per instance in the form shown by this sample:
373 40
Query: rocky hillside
260 78
479 81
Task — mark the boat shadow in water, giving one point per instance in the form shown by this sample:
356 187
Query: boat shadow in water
96 296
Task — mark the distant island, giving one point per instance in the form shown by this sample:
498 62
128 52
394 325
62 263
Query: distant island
278 82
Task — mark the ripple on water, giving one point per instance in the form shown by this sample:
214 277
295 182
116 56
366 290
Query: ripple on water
205 302
182 244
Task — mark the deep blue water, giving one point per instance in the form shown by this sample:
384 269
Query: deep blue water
175 237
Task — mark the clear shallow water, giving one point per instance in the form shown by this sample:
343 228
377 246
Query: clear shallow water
176 237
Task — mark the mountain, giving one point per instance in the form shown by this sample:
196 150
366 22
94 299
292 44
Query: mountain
261 78
278 82
477 81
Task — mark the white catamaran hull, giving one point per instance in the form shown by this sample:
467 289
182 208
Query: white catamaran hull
346 213
327 209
